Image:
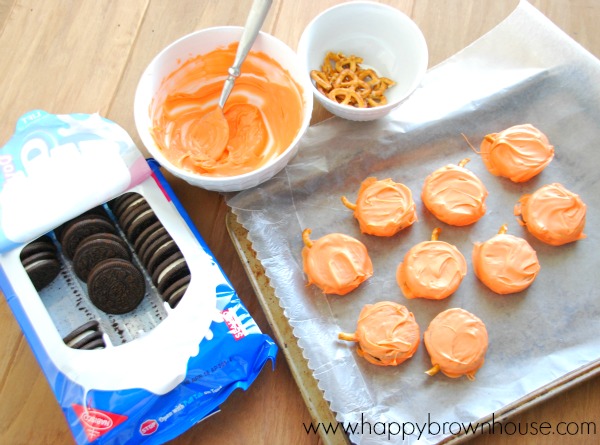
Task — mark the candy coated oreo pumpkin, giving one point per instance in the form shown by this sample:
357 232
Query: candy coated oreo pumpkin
336 263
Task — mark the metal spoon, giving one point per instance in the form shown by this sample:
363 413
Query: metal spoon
256 18
254 22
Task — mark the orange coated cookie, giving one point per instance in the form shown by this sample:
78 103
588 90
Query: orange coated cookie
431 269
456 341
505 263
552 214
455 195
518 153
335 263
383 207
386 334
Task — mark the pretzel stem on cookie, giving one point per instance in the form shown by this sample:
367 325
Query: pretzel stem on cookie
464 162
433 371
306 237
348 204
347 336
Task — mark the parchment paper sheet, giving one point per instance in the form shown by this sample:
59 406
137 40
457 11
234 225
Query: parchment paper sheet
525 70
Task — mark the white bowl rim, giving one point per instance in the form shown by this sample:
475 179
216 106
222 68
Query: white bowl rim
224 183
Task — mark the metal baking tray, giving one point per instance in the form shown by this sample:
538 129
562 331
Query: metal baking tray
308 385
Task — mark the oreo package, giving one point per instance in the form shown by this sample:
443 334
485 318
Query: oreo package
137 329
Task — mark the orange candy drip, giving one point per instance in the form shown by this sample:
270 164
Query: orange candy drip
335 263
264 113
505 263
383 207
518 153
387 334
431 269
457 342
455 195
553 214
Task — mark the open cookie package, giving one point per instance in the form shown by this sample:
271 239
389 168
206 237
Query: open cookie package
137 345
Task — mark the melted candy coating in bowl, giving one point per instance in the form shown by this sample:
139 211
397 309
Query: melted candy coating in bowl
267 112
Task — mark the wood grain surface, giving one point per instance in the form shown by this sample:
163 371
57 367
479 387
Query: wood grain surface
68 56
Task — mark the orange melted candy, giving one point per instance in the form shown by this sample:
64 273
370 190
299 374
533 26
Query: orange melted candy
456 341
431 269
518 153
335 263
383 208
387 334
455 195
263 113
553 214
505 263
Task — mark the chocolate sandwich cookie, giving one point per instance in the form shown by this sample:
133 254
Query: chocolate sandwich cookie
175 291
96 248
157 251
146 233
42 267
127 200
113 203
116 286
110 236
169 271
160 232
37 247
116 203
98 211
42 244
87 336
139 223
82 227
131 213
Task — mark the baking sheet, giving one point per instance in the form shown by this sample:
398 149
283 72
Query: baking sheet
524 70
308 385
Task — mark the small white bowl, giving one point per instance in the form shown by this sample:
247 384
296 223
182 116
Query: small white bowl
387 40
202 42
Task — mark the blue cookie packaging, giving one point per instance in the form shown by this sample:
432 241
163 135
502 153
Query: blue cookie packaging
151 373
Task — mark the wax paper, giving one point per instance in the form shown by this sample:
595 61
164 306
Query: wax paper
525 70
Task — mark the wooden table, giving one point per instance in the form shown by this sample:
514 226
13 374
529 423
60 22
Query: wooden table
87 56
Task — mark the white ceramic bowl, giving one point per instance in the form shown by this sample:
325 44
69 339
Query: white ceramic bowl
202 42
387 40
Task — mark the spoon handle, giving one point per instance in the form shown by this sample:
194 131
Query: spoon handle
256 17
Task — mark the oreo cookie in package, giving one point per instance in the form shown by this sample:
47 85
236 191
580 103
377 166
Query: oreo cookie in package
137 329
